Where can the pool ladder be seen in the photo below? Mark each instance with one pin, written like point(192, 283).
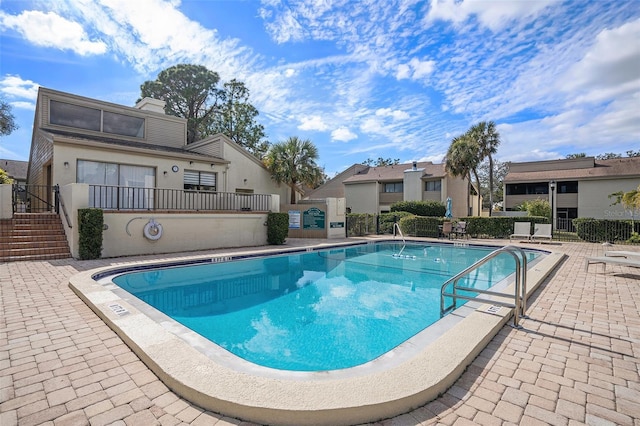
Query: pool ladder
point(396, 227)
point(519, 304)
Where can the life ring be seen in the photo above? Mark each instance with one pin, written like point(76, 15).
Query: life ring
point(152, 230)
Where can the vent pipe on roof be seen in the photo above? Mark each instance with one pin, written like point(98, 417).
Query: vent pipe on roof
point(415, 165)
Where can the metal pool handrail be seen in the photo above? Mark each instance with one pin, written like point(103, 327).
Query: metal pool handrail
point(519, 305)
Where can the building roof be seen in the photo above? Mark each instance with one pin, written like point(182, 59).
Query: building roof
point(589, 168)
point(132, 144)
point(15, 169)
point(396, 172)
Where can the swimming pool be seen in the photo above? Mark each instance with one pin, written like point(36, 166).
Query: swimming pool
point(406, 377)
point(315, 311)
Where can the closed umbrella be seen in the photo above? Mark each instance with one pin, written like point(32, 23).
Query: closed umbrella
point(448, 212)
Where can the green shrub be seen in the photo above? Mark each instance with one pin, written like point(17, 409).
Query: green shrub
point(420, 208)
point(90, 226)
point(386, 221)
point(277, 228)
point(498, 226)
point(601, 230)
point(421, 226)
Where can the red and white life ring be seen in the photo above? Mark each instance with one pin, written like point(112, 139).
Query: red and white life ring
point(152, 230)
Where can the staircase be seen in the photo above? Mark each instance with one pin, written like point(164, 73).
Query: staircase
point(33, 236)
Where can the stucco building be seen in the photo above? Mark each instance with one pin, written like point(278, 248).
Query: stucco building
point(582, 186)
point(374, 189)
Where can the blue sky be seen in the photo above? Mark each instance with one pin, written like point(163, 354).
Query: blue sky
point(360, 79)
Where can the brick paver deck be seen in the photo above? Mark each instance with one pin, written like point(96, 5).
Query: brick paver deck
point(575, 361)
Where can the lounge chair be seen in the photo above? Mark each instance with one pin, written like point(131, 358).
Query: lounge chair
point(521, 230)
point(628, 254)
point(608, 260)
point(541, 231)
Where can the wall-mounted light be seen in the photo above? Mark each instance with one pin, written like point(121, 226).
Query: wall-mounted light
point(165, 172)
point(66, 164)
point(245, 181)
point(191, 163)
point(212, 165)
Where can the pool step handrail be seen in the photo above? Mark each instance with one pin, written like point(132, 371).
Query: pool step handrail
point(396, 227)
point(519, 304)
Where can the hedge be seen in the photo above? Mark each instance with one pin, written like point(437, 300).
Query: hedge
point(420, 208)
point(277, 228)
point(604, 230)
point(90, 226)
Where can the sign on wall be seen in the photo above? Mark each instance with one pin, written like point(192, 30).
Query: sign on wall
point(313, 218)
point(294, 219)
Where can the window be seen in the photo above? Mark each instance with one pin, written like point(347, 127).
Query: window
point(568, 187)
point(121, 186)
point(97, 120)
point(64, 114)
point(393, 187)
point(125, 125)
point(203, 181)
point(433, 185)
point(536, 188)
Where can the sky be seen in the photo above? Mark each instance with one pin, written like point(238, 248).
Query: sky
point(363, 79)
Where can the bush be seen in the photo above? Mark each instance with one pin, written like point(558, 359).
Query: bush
point(90, 226)
point(277, 228)
point(386, 221)
point(601, 230)
point(420, 208)
point(421, 226)
point(498, 226)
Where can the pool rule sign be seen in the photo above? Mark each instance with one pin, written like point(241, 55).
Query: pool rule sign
point(313, 219)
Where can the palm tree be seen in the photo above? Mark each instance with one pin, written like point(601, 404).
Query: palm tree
point(488, 139)
point(463, 160)
point(294, 162)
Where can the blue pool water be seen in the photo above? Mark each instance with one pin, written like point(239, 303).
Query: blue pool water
point(315, 311)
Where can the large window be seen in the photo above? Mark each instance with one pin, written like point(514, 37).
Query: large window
point(125, 125)
point(64, 114)
point(433, 185)
point(203, 181)
point(97, 120)
point(570, 187)
point(393, 187)
point(117, 186)
point(528, 188)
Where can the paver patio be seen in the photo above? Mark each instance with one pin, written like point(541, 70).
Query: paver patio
point(575, 361)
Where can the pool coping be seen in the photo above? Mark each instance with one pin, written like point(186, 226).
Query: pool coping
point(319, 397)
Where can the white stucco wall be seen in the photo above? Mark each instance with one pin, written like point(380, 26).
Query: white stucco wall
point(181, 232)
point(594, 201)
point(6, 206)
point(412, 185)
point(362, 198)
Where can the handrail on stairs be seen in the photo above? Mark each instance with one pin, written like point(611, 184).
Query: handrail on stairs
point(519, 304)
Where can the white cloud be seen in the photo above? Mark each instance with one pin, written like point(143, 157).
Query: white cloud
point(289, 72)
point(313, 122)
point(492, 14)
point(51, 30)
point(14, 87)
point(343, 134)
point(415, 69)
point(395, 114)
point(610, 68)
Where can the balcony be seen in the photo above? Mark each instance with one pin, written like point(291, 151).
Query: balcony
point(121, 198)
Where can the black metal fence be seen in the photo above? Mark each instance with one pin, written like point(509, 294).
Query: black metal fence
point(582, 230)
point(34, 198)
point(153, 199)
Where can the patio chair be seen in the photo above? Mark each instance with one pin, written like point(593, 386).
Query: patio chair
point(459, 230)
point(542, 231)
point(521, 230)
